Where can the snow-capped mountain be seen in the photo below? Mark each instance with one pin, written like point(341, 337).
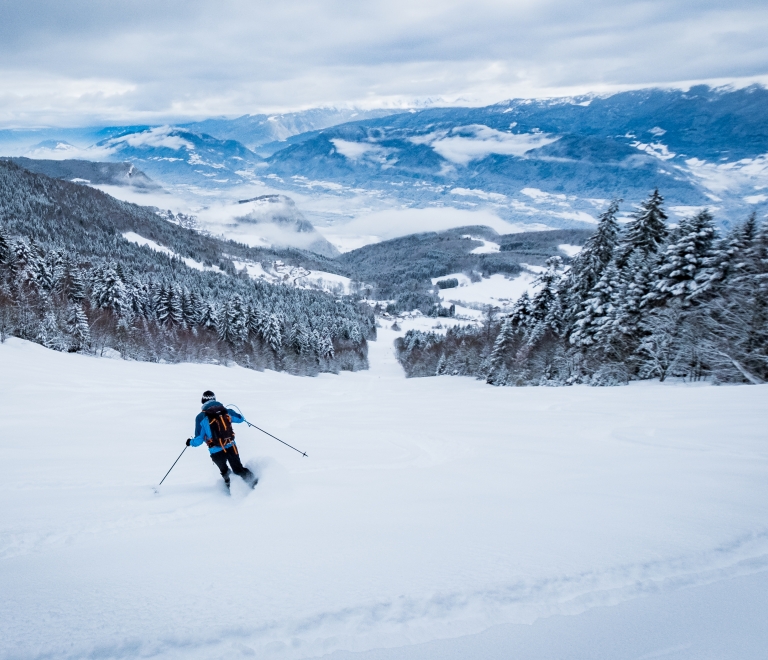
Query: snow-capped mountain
point(555, 160)
point(167, 154)
point(176, 155)
point(270, 131)
point(552, 162)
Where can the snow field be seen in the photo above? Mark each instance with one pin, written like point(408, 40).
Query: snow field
point(279, 273)
point(496, 290)
point(133, 237)
point(427, 508)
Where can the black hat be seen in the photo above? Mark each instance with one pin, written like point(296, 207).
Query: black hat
point(208, 396)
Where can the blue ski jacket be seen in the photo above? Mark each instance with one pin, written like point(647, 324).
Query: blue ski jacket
point(203, 428)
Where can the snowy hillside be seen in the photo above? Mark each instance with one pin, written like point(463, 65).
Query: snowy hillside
point(629, 520)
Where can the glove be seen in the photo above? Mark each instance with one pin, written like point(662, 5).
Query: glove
point(188, 441)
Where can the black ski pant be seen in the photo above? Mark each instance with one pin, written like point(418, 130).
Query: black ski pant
point(230, 454)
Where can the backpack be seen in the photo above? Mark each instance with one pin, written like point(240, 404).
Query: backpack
point(221, 426)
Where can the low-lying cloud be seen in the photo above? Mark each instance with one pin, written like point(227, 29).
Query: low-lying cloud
point(468, 143)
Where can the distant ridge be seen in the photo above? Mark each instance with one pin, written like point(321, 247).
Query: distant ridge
point(86, 171)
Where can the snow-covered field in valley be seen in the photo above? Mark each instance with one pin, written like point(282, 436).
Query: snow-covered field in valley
point(433, 518)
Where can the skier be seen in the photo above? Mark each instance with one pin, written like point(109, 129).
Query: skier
point(214, 427)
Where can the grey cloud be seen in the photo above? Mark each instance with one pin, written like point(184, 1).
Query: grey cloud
point(152, 61)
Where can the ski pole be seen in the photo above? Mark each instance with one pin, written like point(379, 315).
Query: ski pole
point(172, 466)
point(303, 453)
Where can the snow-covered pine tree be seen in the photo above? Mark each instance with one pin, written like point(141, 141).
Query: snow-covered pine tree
point(161, 300)
point(75, 283)
point(440, 369)
point(233, 322)
point(521, 312)
point(501, 347)
point(272, 333)
point(645, 232)
point(659, 348)
point(50, 334)
point(176, 304)
point(727, 257)
point(302, 340)
point(680, 269)
point(327, 350)
point(108, 290)
point(622, 328)
point(77, 328)
point(23, 261)
point(588, 265)
point(257, 320)
point(191, 304)
point(5, 247)
point(50, 271)
point(738, 319)
point(545, 308)
point(600, 305)
point(209, 315)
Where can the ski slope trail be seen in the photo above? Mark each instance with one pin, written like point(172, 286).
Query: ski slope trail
point(427, 509)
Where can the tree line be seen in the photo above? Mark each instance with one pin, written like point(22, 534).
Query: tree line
point(639, 301)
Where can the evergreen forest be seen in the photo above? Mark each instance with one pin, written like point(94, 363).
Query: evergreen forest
point(71, 282)
point(639, 301)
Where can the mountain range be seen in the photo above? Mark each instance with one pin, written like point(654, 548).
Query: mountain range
point(266, 134)
point(552, 162)
point(556, 158)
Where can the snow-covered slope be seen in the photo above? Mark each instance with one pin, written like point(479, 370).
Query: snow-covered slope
point(427, 509)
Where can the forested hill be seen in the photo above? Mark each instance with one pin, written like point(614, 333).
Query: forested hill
point(402, 269)
point(641, 300)
point(71, 281)
point(86, 171)
point(93, 222)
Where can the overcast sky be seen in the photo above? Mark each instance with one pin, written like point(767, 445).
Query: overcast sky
point(80, 62)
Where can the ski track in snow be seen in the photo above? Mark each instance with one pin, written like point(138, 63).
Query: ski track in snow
point(427, 508)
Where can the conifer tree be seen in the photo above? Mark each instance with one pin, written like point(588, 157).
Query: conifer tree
point(681, 267)
point(622, 328)
point(77, 327)
point(76, 290)
point(233, 323)
point(521, 312)
point(721, 263)
point(50, 334)
point(501, 347)
point(588, 265)
point(162, 303)
point(108, 290)
point(5, 247)
point(176, 305)
point(271, 332)
point(546, 309)
point(601, 305)
point(646, 231)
